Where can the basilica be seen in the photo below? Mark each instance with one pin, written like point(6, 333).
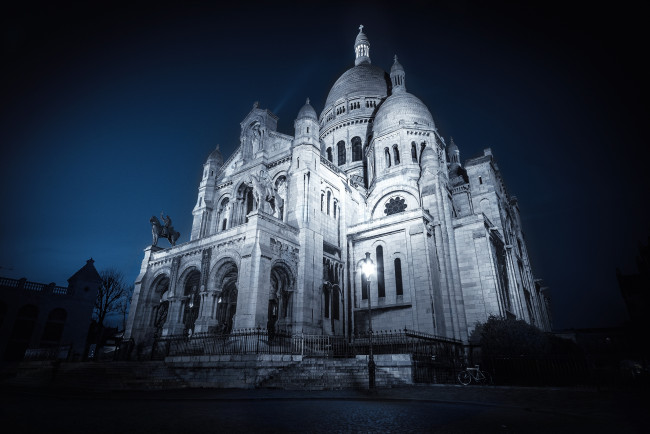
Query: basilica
point(282, 229)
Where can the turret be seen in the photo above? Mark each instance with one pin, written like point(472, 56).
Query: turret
point(306, 126)
point(453, 154)
point(202, 211)
point(397, 76)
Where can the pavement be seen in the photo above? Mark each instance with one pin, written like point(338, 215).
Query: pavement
point(420, 408)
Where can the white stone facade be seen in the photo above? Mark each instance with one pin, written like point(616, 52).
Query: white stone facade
point(281, 228)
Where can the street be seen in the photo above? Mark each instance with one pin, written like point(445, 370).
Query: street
point(411, 410)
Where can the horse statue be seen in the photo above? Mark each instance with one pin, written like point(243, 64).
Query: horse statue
point(158, 230)
point(263, 192)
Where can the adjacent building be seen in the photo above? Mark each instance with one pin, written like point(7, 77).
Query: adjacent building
point(45, 319)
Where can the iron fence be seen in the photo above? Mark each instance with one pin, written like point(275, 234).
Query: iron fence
point(259, 341)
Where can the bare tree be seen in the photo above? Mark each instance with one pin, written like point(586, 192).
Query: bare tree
point(113, 295)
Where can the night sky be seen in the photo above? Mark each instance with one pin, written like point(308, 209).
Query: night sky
point(109, 109)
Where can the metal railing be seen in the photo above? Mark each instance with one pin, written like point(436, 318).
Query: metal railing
point(259, 341)
point(55, 353)
point(6, 282)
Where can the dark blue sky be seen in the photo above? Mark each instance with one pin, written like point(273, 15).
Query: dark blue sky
point(110, 109)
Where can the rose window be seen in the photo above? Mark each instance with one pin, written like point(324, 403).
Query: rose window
point(395, 205)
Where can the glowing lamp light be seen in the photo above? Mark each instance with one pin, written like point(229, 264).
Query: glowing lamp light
point(368, 269)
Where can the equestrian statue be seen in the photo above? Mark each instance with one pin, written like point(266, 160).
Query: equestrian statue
point(166, 231)
point(264, 192)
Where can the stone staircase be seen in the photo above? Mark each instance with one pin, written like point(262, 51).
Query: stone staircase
point(350, 373)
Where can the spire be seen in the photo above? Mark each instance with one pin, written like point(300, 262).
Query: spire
point(361, 48)
point(397, 75)
point(453, 152)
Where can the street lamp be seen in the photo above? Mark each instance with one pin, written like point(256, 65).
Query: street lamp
point(367, 269)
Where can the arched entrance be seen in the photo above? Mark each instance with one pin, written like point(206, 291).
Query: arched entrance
point(192, 301)
point(21, 334)
point(280, 298)
point(160, 305)
point(226, 279)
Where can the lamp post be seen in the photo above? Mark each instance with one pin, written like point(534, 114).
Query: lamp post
point(367, 269)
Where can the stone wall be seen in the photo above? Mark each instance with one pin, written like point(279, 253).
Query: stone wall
point(239, 372)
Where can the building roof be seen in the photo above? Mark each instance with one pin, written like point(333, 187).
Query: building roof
point(307, 111)
point(361, 80)
point(402, 106)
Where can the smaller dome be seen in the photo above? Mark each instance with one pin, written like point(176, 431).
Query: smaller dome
point(402, 106)
point(215, 157)
point(307, 111)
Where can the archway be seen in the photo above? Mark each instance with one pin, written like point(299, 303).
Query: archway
point(226, 279)
point(21, 334)
point(280, 306)
point(159, 304)
point(192, 301)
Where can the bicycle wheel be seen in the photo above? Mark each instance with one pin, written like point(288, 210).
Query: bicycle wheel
point(487, 377)
point(464, 378)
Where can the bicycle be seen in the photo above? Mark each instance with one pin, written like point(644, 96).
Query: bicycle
point(468, 375)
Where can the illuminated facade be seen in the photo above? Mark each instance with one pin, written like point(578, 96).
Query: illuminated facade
point(281, 227)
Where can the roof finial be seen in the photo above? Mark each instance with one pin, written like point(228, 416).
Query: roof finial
point(361, 28)
point(307, 100)
point(395, 58)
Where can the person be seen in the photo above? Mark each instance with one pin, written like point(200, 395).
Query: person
point(167, 224)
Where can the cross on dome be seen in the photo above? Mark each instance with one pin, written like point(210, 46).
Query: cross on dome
point(361, 28)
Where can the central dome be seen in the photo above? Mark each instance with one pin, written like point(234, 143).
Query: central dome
point(402, 106)
point(362, 80)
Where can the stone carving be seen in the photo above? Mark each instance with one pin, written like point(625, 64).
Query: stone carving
point(166, 231)
point(256, 137)
point(285, 251)
point(265, 195)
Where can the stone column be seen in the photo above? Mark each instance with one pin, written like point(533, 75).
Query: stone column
point(174, 324)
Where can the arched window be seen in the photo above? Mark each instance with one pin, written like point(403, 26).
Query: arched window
point(396, 154)
point(329, 154)
point(21, 333)
point(223, 213)
point(381, 287)
point(341, 151)
point(329, 198)
point(53, 330)
point(356, 148)
point(387, 155)
point(322, 202)
point(335, 304)
point(364, 288)
point(414, 152)
point(399, 288)
point(327, 303)
point(335, 209)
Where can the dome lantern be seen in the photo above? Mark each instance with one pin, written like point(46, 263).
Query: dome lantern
point(361, 48)
point(397, 75)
